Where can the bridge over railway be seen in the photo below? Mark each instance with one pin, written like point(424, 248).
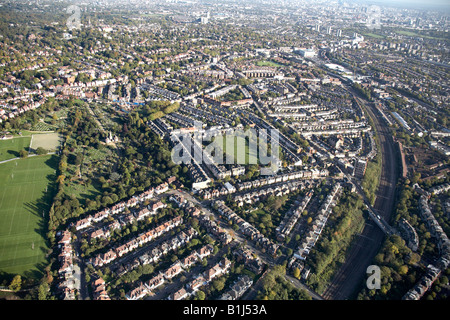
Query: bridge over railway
point(374, 214)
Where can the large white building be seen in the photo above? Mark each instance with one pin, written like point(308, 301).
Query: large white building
point(307, 53)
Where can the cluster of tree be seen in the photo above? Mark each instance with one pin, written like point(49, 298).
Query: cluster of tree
point(439, 212)
point(329, 253)
point(266, 215)
point(412, 141)
point(399, 265)
point(408, 209)
point(276, 287)
point(30, 118)
point(269, 95)
point(232, 95)
point(365, 92)
point(41, 151)
point(157, 109)
point(399, 271)
point(144, 161)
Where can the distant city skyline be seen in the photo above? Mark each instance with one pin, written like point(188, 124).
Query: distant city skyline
point(408, 3)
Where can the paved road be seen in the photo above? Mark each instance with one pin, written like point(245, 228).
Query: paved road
point(353, 272)
point(80, 276)
point(295, 282)
point(265, 258)
point(252, 292)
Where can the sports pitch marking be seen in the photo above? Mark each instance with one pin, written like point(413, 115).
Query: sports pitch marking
point(23, 199)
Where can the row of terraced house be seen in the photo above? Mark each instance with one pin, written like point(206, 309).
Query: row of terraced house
point(146, 288)
point(121, 206)
point(66, 286)
point(194, 285)
point(278, 191)
point(114, 253)
point(304, 174)
point(433, 270)
point(318, 225)
point(287, 224)
point(153, 255)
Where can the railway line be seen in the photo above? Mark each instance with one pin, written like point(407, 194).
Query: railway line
point(351, 274)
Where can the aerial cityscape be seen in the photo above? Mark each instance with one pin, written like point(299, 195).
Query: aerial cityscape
point(224, 150)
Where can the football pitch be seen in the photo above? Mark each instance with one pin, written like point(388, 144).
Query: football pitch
point(26, 191)
point(48, 141)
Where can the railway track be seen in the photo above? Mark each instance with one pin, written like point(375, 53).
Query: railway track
point(351, 274)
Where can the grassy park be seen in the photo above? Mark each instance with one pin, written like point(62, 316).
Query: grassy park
point(266, 63)
point(48, 141)
point(10, 148)
point(25, 194)
point(411, 33)
point(29, 141)
point(243, 154)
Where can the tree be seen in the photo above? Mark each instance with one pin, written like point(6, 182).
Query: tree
point(296, 273)
point(200, 295)
point(41, 151)
point(270, 280)
point(43, 291)
point(16, 283)
point(23, 153)
point(402, 270)
point(218, 284)
point(413, 258)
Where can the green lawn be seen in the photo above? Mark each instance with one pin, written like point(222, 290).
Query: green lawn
point(82, 191)
point(78, 187)
point(25, 194)
point(9, 149)
point(243, 154)
point(416, 34)
point(268, 64)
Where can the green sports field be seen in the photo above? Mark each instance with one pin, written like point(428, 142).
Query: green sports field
point(25, 193)
point(10, 148)
point(268, 64)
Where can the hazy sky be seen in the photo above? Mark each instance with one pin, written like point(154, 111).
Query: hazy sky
point(423, 3)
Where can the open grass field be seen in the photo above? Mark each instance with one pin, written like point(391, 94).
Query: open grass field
point(416, 34)
point(76, 186)
point(48, 141)
point(10, 148)
point(26, 191)
point(242, 153)
point(268, 64)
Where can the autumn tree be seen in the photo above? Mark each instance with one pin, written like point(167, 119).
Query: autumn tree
point(16, 283)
